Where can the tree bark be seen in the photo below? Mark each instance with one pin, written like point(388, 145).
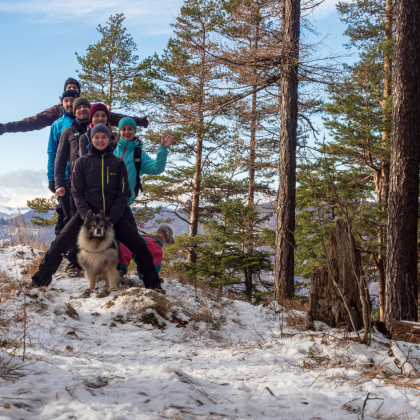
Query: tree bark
point(284, 263)
point(338, 301)
point(192, 256)
point(401, 270)
point(386, 135)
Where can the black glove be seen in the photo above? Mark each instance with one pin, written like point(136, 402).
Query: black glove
point(51, 186)
point(2, 129)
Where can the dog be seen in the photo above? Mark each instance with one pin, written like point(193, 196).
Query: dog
point(165, 232)
point(98, 250)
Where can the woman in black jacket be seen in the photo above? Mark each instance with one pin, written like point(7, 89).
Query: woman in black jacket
point(99, 182)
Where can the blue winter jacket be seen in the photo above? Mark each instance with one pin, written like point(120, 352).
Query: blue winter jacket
point(149, 166)
point(56, 128)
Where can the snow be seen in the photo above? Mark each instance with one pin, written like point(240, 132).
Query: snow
point(232, 360)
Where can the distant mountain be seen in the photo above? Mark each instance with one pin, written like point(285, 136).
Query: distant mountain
point(7, 212)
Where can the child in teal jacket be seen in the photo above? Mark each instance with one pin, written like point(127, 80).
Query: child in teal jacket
point(125, 150)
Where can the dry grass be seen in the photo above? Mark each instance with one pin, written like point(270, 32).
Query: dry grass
point(206, 314)
point(23, 232)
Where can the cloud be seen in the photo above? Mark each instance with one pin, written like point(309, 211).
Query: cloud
point(325, 9)
point(147, 13)
point(19, 186)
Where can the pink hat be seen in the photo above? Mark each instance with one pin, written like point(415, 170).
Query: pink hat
point(97, 107)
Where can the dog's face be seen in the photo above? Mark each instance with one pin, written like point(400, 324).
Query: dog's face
point(167, 232)
point(96, 225)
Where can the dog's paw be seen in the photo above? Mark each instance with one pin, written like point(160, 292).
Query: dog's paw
point(86, 294)
point(103, 293)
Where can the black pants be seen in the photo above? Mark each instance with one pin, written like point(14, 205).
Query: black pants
point(65, 210)
point(74, 250)
point(128, 215)
point(124, 232)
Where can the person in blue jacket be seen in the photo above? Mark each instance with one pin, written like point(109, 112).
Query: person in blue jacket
point(127, 144)
point(66, 120)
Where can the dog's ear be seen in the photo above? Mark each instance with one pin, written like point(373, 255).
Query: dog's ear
point(101, 213)
point(89, 215)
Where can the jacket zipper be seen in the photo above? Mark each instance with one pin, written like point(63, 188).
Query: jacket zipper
point(125, 148)
point(103, 187)
point(107, 174)
point(123, 182)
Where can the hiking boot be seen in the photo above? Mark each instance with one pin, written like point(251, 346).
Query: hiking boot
point(74, 272)
point(40, 279)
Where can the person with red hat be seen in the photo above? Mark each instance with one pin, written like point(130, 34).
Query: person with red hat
point(99, 113)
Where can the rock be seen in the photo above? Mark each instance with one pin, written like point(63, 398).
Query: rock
point(98, 382)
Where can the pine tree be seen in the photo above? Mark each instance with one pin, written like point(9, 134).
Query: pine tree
point(43, 206)
point(178, 86)
point(370, 28)
point(109, 65)
point(286, 202)
point(401, 274)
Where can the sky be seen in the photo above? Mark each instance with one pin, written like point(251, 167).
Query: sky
point(38, 42)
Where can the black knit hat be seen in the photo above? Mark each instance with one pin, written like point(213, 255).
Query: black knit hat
point(71, 81)
point(80, 101)
point(70, 94)
point(100, 128)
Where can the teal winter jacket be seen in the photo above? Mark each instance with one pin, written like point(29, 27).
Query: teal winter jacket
point(149, 166)
point(56, 128)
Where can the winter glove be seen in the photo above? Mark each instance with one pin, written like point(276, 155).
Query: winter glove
point(51, 186)
point(3, 129)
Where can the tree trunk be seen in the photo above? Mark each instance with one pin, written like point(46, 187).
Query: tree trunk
point(401, 271)
point(284, 262)
point(386, 135)
point(248, 283)
point(332, 304)
point(192, 256)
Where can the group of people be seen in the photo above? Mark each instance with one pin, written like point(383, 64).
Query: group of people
point(91, 168)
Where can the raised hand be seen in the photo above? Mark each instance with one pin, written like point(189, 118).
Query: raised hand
point(168, 140)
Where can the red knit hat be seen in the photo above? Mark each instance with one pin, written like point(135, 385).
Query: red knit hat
point(97, 107)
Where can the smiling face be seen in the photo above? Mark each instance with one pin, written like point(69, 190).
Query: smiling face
point(99, 117)
point(127, 133)
point(82, 112)
point(68, 104)
point(100, 141)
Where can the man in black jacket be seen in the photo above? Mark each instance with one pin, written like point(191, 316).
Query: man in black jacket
point(68, 151)
point(99, 182)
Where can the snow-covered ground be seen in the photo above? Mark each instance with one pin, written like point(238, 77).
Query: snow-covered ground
point(209, 359)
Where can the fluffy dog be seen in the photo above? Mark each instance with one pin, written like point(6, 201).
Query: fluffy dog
point(98, 250)
point(165, 232)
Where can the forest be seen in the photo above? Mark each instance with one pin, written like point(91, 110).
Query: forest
point(291, 289)
point(259, 184)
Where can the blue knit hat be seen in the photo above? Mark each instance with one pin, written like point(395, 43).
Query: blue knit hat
point(100, 128)
point(127, 121)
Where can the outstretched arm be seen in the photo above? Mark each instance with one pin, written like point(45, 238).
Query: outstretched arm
point(156, 166)
point(37, 122)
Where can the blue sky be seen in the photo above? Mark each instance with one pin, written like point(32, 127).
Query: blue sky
point(38, 41)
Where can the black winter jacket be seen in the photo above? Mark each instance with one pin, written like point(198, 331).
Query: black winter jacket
point(99, 182)
point(68, 151)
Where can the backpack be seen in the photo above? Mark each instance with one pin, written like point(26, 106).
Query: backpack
point(137, 164)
